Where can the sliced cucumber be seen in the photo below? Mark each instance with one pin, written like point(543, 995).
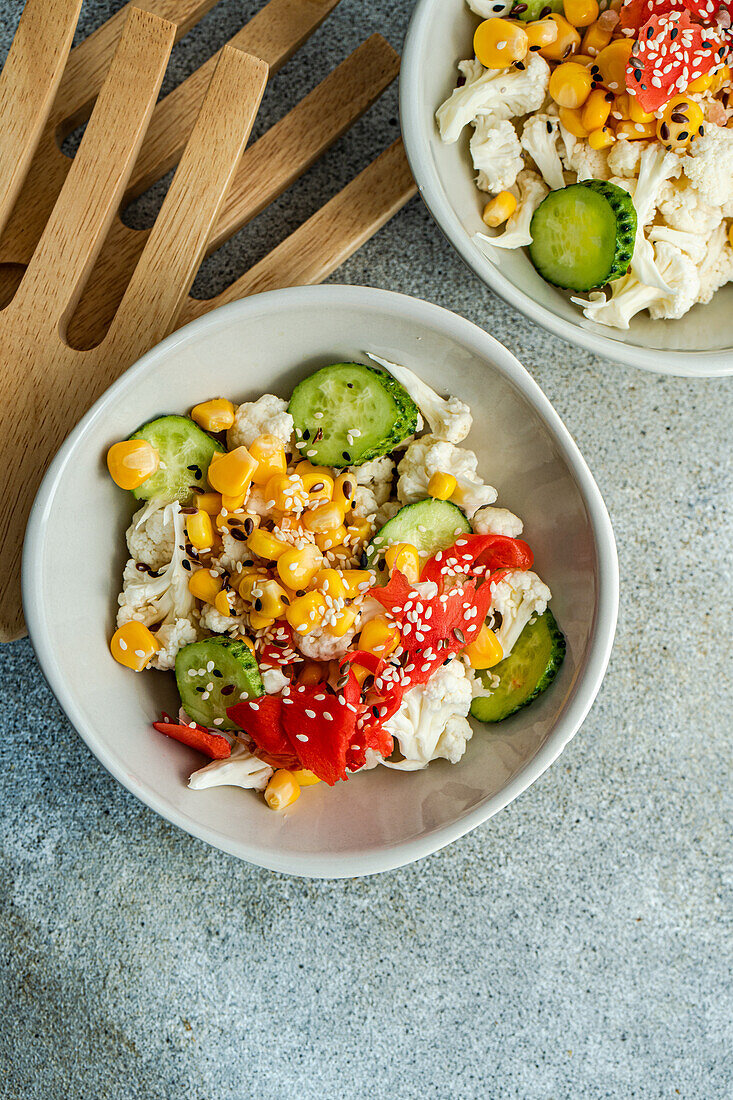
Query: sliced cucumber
point(529, 670)
point(185, 455)
point(349, 413)
point(213, 675)
point(583, 235)
point(429, 525)
point(535, 9)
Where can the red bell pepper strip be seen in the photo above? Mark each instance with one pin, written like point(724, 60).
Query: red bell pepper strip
point(196, 737)
point(261, 720)
point(487, 552)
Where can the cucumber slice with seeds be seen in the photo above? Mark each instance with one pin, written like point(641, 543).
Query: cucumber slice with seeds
point(583, 235)
point(429, 525)
point(185, 455)
point(215, 674)
point(348, 414)
point(529, 670)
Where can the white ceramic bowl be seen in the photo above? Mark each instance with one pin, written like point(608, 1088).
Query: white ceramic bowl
point(75, 551)
point(440, 35)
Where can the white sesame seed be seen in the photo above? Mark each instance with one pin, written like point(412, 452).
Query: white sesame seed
point(301, 736)
point(122, 644)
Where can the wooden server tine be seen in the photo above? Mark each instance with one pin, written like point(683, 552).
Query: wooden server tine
point(49, 384)
point(267, 169)
point(28, 84)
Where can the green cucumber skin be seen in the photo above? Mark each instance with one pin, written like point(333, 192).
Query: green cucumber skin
point(243, 671)
point(404, 425)
point(403, 526)
point(481, 706)
point(534, 7)
point(151, 486)
point(621, 214)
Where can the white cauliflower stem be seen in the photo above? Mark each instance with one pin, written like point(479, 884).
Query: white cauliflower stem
point(516, 233)
point(431, 722)
point(268, 415)
point(448, 418)
point(518, 597)
point(428, 456)
point(495, 93)
point(539, 139)
point(241, 769)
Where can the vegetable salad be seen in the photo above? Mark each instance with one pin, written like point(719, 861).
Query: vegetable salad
point(604, 133)
point(329, 580)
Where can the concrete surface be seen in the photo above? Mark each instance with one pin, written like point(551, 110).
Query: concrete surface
point(578, 945)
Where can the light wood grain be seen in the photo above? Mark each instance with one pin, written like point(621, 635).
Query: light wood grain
point(267, 168)
point(28, 83)
point(46, 385)
point(328, 237)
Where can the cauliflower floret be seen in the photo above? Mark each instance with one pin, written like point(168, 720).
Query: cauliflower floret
point(532, 191)
point(241, 769)
point(656, 166)
point(709, 165)
point(274, 680)
point(268, 415)
point(216, 623)
point(489, 9)
point(428, 456)
point(150, 535)
point(233, 553)
point(373, 484)
point(431, 721)
point(164, 600)
point(539, 139)
point(680, 273)
point(447, 417)
point(716, 268)
point(493, 93)
point(386, 512)
point(624, 156)
point(694, 246)
point(321, 645)
point(682, 207)
point(628, 298)
point(497, 521)
point(518, 596)
point(496, 154)
point(579, 157)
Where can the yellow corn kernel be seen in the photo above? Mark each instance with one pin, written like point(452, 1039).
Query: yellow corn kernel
point(330, 582)
point(570, 84)
point(701, 83)
point(318, 486)
point(596, 110)
point(216, 415)
point(282, 790)
point(540, 32)
point(329, 540)
point(259, 622)
point(580, 13)
point(233, 504)
point(306, 612)
point(269, 453)
point(345, 619)
point(250, 582)
point(681, 121)
point(305, 467)
point(324, 517)
point(304, 778)
point(360, 673)
point(356, 581)
point(572, 121)
point(231, 473)
point(221, 603)
point(584, 59)
point(612, 61)
point(566, 43)
point(286, 493)
point(204, 586)
point(344, 490)
point(208, 502)
point(358, 528)
point(265, 545)
point(636, 131)
point(404, 556)
point(442, 486)
point(498, 43)
point(499, 209)
point(133, 645)
point(596, 38)
point(131, 462)
point(380, 637)
point(485, 650)
point(634, 110)
point(200, 530)
point(600, 139)
point(721, 77)
point(273, 600)
point(298, 567)
point(311, 673)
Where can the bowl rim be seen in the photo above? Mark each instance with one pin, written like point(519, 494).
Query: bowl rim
point(686, 364)
point(462, 331)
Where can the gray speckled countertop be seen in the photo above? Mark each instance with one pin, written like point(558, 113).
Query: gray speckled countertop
point(577, 945)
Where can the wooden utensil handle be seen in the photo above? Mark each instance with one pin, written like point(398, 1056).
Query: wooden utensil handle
point(28, 83)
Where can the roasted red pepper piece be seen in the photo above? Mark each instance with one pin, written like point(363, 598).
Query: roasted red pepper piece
point(320, 725)
point(261, 720)
point(670, 48)
point(487, 552)
point(196, 737)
